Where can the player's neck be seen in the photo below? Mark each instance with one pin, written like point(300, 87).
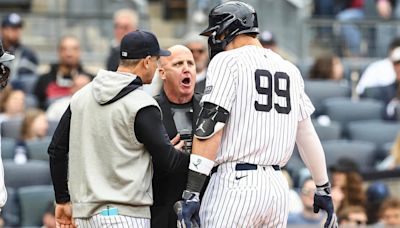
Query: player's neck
point(243, 40)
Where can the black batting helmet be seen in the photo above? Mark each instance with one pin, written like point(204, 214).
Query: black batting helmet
point(229, 19)
point(4, 57)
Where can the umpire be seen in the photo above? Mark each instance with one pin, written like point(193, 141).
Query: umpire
point(102, 152)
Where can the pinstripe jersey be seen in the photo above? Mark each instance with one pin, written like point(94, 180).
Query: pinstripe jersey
point(265, 97)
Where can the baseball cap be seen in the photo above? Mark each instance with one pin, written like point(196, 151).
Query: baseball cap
point(266, 37)
point(395, 55)
point(139, 44)
point(377, 192)
point(4, 57)
point(12, 20)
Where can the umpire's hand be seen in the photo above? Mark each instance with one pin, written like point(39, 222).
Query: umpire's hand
point(187, 210)
point(323, 200)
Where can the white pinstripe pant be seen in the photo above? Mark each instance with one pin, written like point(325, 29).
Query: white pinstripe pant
point(251, 198)
point(114, 221)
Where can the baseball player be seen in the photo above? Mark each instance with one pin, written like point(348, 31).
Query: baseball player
point(254, 109)
point(4, 74)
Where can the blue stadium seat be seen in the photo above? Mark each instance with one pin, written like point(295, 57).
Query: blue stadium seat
point(11, 128)
point(38, 148)
point(11, 211)
point(7, 148)
point(361, 152)
point(34, 201)
point(28, 174)
point(320, 90)
point(378, 132)
point(328, 132)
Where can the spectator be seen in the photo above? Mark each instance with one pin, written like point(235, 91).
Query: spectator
point(391, 93)
point(125, 20)
point(390, 212)
point(346, 176)
point(58, 81)
point(198, 47)
point(349, 11)
point(12, 104)
point(393, 160)
point(328, 67)
point(387, 10)
point(25, 61)
point(377, 192)
point(34, 126)
point(307, 216)
point(352, 216)
point(379, 73)
point(49, 219)
point(58, 107)
point(180, 108)
point(295, 204)
point(268, 40)
point(337, 197)
point(344, 11)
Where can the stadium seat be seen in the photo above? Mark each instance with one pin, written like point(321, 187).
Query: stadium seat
point(378, 132)
point(33, 201)
point(11, 211)
point(31, 173)
point(7, 148)
point(319, 90)
point(328, 132)
point(361, 152)
point(345, 110)
point(11, 128)
point(38, 149)
point(387, 148)
point(30, 101)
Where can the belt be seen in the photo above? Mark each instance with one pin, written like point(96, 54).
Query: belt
point(246, 166)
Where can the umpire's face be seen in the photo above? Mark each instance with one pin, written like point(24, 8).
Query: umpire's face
point(178, 71)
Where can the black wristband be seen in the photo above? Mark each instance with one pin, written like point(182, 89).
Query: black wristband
point(195, 181)
point(324, 185)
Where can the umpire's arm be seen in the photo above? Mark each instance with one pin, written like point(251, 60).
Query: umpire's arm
point(58, 153)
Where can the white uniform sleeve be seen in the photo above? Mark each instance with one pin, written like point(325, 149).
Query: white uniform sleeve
point(221, 81)
point(3, 191)
point(311, 151)
point(306, 106)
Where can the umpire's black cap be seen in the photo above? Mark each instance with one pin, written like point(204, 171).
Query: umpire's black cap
point(4, 57)
point(139, 44)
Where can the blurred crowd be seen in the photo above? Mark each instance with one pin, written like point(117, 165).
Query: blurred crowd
point(33, 103)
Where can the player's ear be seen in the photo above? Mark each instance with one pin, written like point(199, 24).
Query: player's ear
point(146, 62)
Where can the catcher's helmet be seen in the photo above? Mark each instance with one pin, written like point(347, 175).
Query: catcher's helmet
point(4, 57)
point(229, 19)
